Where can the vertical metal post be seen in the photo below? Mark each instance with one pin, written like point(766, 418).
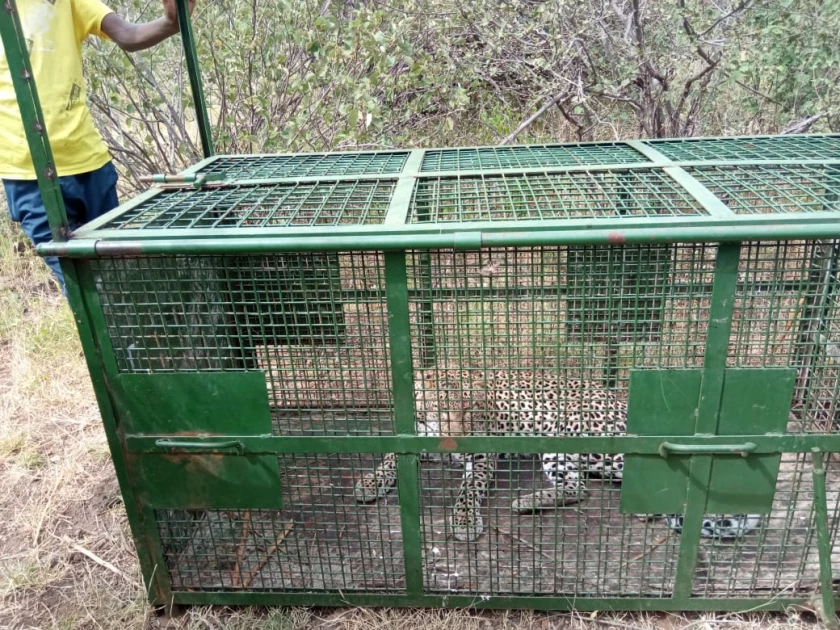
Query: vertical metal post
point(20, 67)
point(823, 539)
point(402, 375)
point(200, 103)
point(711, 390)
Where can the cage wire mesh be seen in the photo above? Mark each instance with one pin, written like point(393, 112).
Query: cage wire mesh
point(529, 157)
point(323, 541)
point(569, 195)
point(505, 342)
point(813, 147)
point(504, 317)
point(315, 165)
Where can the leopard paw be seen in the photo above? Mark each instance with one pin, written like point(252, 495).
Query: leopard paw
point(720, 527)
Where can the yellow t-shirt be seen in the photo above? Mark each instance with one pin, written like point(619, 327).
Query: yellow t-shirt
point(54, 30)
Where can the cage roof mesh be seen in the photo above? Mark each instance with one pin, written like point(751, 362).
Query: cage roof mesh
point(595, 181)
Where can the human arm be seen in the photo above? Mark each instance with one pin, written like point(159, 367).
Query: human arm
point(133, 37)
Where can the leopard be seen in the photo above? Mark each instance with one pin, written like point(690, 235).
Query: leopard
point(450, 402)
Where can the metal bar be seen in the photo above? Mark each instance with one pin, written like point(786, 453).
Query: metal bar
point(802, 443)
point(649, 152)
point(714, 366)
point(20, 67)
point(409, 496)
point(500, 227)
point(401, 200)
point(98, 228)
point(650, 142)
point(702, 195)
point(281, 154)
point(399, 335)
point(509, 171)
point(201, 165)
point(200, 103)
point(105, 249)
point(458, 240)
point(823, 539)
point(690, 184)
point(572, 602)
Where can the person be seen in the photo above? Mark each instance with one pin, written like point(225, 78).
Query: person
point(55, 30)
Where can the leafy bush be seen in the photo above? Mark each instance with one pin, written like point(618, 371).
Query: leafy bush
point(307, 75)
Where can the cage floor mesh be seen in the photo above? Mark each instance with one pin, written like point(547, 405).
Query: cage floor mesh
point(326, 541)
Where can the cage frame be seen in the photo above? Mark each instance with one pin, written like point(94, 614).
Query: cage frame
point(394, 237)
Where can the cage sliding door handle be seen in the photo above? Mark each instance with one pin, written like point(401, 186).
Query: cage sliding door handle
point(666, 449)
point(202, 446)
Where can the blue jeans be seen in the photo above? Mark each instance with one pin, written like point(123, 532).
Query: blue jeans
point(86, 197)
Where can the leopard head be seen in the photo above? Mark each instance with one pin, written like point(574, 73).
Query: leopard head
point(438, 404)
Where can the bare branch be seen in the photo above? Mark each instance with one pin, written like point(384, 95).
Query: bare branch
point(742, 6)
point(803, 125)
point(533, 117)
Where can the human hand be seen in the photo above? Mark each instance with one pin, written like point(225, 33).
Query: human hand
point(170, 12)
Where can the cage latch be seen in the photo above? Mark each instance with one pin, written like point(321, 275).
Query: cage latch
point(204, 447)
point(666, 449)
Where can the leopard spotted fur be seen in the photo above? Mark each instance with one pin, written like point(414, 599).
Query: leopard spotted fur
point(451, 403)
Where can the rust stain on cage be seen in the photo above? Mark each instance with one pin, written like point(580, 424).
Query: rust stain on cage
point(616, 238)
point(119, 248)
point(196, 461)
point(448, 444)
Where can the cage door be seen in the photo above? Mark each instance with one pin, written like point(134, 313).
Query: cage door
point(665, 403)
point(197, 418)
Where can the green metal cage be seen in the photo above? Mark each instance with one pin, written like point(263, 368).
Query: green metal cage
point(309, 368)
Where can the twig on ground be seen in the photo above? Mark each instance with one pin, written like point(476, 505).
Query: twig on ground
point(104, 563)
point(656, 543)
point(525, 543)
point(246, 583)
point(37, 535)
point(240, 550)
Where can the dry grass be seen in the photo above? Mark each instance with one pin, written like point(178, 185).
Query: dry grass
point(66, 556)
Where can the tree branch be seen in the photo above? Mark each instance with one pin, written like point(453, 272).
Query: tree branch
point(741, 7)
point(533, 117)
point(803, 125)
